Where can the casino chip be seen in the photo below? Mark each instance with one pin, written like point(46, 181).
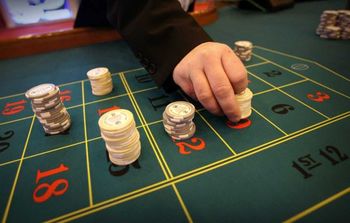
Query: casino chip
point(244, 100)
point(344, 23)
point(243, 50)
point(118, 130)
point(334, 24)
point(48, 108)
point(177, 120)
point(101, 81)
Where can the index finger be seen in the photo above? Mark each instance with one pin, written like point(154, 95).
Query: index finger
point(222, 89)
point(235, 71)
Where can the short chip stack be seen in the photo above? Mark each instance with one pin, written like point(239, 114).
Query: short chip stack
point(49, 109)
point(101, 81)
point(177, 120)
point(118, 129)
point(331, 32)
point(244, 100)
point(334, 24)
point(243, 50)
point(327, 18)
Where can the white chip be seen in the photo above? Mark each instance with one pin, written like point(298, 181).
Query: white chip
point(40, 90)
point(180, 109)
point(116, 120)
point(97, 73)
point(245, 44)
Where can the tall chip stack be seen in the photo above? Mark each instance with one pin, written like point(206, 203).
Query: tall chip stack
point(344, 23)
point(101, 81)
point(178, 120)
point(122, 139)
point(243, 50)
point(48, 108)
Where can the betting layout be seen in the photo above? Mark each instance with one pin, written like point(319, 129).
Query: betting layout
point(288, 137)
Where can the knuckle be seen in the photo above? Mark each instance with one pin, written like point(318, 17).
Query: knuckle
point(222, 91)
point(203, 96)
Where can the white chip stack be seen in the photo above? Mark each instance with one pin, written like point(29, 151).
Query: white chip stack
point(118, 130)
point(48, 108)
point(243, 50)
point(101, 81)
point(177, 120)
point(244, 100)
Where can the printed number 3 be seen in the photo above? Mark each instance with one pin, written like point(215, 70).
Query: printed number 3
point(319, 97)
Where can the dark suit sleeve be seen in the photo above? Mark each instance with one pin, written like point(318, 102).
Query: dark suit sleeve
point(159, 32)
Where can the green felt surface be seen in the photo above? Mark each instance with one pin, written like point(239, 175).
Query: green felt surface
point(284, 166)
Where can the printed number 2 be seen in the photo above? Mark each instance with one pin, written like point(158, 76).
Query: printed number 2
point(182, 146)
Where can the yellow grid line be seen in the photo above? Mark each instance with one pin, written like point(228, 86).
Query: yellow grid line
point(148, 124)
point(306, 60)
point(66, 146)
point(269, 121)
point(100, 100)
point(88, 103)
point(280, 87)
point(249, 152)
point(160, 153)
point(182, 203)
point(257, 64)
point(113, 74)
point(9, 162)
point(86, 146)
point(16, 120)
point(213, 129)
point(294, 98)
point(318, 206)
point(194, 173)
point(217, 134)
point(284, 54)
point(302, 76)
point(147, 134)
point(8, 205)
point(109, 203)
point(60, 85)
point(143, 121)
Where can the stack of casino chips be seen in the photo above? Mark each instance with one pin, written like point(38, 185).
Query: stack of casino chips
point(48, 108)
point(344, 23)
point(122, 139)
point(177, 120)
point(331, 32)
point(244, 100)
point(243, 50)
point(327, 18)
point(101, 81)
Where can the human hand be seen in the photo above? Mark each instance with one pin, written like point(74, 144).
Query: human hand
point(212, 74)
